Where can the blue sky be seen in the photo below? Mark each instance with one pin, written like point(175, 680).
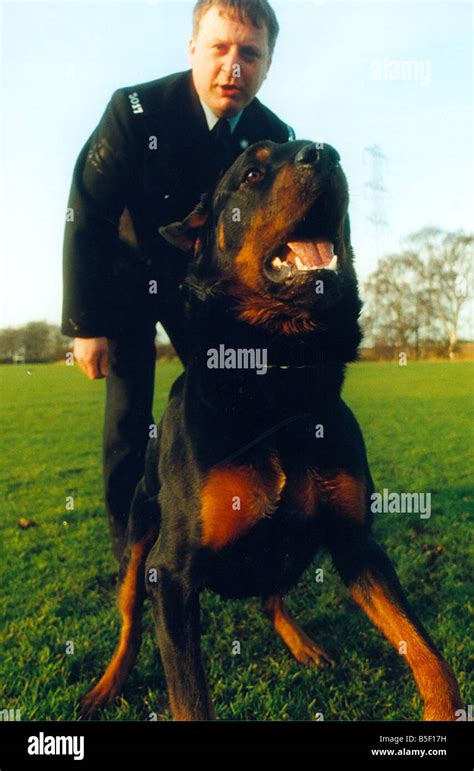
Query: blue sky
point(355, 74)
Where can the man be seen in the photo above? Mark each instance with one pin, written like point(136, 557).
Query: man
point(158, 147)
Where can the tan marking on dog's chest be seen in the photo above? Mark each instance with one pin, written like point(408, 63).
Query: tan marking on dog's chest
point(301, 492)
point(308, 490)
point(345, 493)
point(235, 498)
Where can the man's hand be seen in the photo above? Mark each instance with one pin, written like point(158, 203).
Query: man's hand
point(92, 355)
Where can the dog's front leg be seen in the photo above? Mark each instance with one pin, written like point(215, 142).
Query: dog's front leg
point(374, 585)
point(176, 611)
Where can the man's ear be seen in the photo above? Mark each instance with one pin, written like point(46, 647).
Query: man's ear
point(191, 49)
point(183, 235)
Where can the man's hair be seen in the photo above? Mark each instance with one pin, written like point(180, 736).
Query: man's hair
point(258, 12)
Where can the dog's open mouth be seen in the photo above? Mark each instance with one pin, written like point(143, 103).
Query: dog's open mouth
point(312, 243)
point(301, 257)
point(307, 255)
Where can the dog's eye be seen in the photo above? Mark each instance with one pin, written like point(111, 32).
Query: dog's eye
point(252, 176)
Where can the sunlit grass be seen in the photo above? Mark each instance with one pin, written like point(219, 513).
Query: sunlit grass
point(58, 578)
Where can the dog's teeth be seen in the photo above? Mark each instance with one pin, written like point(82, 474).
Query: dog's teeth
point(277, 263)
point(333, 264)
point(300, 265)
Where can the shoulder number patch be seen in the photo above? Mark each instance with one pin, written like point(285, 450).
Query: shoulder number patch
point(135, 102)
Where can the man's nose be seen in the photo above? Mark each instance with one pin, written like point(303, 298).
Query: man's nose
point(230, 60)
point(313, 155)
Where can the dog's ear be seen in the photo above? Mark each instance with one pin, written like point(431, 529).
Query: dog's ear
point(183, 235)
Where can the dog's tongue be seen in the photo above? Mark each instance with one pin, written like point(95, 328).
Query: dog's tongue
point(313, 253)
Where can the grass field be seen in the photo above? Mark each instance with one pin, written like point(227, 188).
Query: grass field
point(58, 579)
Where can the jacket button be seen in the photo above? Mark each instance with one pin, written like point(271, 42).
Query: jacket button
point(168, 195)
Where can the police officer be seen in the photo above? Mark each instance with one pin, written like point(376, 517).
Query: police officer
point(157, 148)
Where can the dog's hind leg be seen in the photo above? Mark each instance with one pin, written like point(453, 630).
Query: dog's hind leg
point(143, 530)
point(301, 646)
point(374, 585)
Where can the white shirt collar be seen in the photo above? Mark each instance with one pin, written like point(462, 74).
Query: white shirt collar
point(212, 118)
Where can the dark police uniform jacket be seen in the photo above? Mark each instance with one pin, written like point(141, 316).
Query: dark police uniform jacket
point(151, 154)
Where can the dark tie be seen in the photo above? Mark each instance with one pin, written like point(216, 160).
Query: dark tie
point(221, 134)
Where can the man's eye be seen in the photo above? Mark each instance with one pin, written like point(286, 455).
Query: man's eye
point(252, 176)
point(250, 55)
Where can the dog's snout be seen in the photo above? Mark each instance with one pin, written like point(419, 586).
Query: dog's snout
point(312, 155)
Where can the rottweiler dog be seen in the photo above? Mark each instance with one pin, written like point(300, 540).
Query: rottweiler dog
point(258, 463)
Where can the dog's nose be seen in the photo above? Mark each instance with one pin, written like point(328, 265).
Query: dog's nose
point(310, 154)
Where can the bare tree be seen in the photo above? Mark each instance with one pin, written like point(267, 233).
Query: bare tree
point(449, 262)
point(414, 299)
point(396, 309)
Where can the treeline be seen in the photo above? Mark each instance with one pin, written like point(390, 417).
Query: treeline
point(37, 341)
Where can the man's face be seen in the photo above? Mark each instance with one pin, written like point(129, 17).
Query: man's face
point(222, 42)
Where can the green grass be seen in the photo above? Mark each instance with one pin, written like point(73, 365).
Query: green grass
point(58, 579)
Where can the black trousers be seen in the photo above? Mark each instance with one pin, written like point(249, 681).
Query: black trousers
point(128, 415)
point(128, 411)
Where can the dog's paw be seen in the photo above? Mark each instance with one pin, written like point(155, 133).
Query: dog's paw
point(309, 654)
point(95, 700)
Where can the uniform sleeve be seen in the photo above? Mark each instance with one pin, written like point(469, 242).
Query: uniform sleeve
point(102, 175)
